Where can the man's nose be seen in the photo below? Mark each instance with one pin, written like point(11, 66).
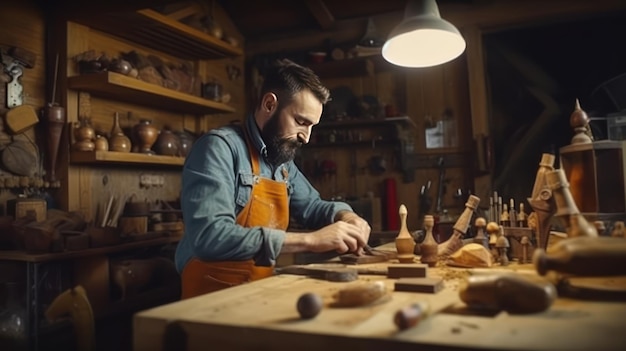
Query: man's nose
point(305, 135)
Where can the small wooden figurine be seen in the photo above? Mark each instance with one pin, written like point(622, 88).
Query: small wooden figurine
point(428, 247)
point(405, 244)
point(480, 223)
point(525, 241)
point(502, 244)
point(492, 230)
point(504, 216)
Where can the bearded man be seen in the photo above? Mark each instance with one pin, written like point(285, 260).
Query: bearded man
point(240, 187)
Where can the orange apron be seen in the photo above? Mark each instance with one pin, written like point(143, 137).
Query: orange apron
point(268, 207)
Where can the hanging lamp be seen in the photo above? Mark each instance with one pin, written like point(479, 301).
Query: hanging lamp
point(423, 38)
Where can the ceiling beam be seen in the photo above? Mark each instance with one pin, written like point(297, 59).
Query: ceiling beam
point(322, 15)
point(487, 16)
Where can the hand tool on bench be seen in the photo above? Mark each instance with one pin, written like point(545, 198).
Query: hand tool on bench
point(371, 256)
point(514, 293)
point(331, 273)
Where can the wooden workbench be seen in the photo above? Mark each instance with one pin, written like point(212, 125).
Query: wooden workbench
point(262, 316)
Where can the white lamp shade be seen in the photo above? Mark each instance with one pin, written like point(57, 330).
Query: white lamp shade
point(423, 40)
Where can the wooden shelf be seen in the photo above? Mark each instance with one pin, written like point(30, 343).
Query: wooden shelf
point(56, 256)
point(159, 32)
point(362, 143)
point(120, 87)
point(364, 123)
point(112, 157)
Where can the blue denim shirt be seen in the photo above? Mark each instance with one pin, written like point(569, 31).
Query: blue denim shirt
point(216, 185)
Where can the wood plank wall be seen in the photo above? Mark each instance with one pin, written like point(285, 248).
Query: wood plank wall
point(22, 25)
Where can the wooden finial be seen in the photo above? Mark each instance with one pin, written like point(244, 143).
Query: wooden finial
point(405, 244)
point(579, 121)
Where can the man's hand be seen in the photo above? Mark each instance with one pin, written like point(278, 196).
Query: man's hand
point(349, 233)
point(340, 236)
point(364, 227)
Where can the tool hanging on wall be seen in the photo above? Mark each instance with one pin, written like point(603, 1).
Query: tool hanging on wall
point(19, 117)
point(55, 117)
point(15, 60)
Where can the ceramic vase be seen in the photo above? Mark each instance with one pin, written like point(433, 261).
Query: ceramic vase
point(167, 143)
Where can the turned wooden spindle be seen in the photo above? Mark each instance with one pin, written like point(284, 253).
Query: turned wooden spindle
point(539, 188)
point(405, 244)
point(460, 227)
point(540, 200)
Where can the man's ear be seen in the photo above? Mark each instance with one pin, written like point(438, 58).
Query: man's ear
point(269, 103)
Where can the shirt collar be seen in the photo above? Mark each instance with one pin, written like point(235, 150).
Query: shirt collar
point(255, 136)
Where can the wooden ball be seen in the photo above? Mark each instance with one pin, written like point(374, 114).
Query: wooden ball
point(309, 305)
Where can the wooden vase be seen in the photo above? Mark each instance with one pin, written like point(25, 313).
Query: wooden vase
point(118, 141)
point(84, 136)
point(145, 135)
point(405, 244)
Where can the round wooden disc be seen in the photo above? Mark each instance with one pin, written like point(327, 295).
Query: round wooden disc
point(20, 157)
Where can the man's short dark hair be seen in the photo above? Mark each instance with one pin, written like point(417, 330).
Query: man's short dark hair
point(286, 78)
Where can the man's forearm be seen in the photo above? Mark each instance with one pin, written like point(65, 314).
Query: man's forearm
point(296, 242)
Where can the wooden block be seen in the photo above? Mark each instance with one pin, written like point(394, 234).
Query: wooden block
point(421, 285)
point(21, 118)
point(133, 225)
point(412, 270)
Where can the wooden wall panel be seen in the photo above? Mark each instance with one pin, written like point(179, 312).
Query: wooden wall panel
point(22, 25)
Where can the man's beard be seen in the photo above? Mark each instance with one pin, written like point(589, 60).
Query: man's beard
point(279, 150)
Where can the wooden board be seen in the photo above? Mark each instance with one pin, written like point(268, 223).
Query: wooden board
point(422, 285)
point(402, 270)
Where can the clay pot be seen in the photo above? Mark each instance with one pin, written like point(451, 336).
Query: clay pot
point(120, 66)
point(167, 143)
point(118, 141)
point(186, 140)
point(145, 135)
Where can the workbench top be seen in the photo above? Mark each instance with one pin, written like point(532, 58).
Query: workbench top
point(262, 315)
